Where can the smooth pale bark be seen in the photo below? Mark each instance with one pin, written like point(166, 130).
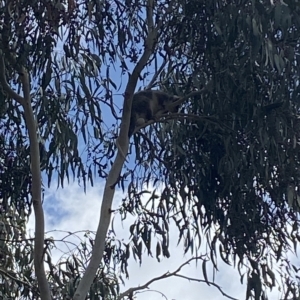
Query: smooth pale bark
point(36, 188)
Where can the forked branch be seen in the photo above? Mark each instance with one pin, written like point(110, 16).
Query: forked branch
point(131, 291)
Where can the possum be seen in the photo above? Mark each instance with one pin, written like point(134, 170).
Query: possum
point(149, 105)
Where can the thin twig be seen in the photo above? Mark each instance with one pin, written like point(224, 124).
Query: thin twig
point(162, 294)
point(208, 282)
point(170, 274)
point(151, 84)
point(165, 275)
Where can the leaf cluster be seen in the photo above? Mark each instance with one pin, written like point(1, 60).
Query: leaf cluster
point(232, 152)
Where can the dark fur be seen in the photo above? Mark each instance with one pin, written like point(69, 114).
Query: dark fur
point(150, 104)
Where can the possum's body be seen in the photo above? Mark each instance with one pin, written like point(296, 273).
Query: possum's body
point(149, 104)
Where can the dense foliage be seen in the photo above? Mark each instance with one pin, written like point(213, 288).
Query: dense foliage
point(234, 156)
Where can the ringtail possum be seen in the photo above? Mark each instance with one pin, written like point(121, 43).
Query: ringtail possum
point(148, 105)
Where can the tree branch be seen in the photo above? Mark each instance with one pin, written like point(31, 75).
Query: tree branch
point(151, 84)
point(167, 275)
point(36, 189)
point(113, 176)
point(162, 294)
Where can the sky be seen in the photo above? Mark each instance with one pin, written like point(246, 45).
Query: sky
point(70, 209)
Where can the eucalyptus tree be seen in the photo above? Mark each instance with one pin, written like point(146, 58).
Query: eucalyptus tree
point(229, 158)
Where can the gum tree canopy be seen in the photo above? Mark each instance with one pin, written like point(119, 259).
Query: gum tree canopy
point(227, 162)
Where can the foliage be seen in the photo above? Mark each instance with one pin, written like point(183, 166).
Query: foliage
point(228, 158)
point(234, 150)
point(16, 253)
point(15, 168)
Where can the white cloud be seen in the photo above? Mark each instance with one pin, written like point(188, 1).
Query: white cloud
point(69, 209)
